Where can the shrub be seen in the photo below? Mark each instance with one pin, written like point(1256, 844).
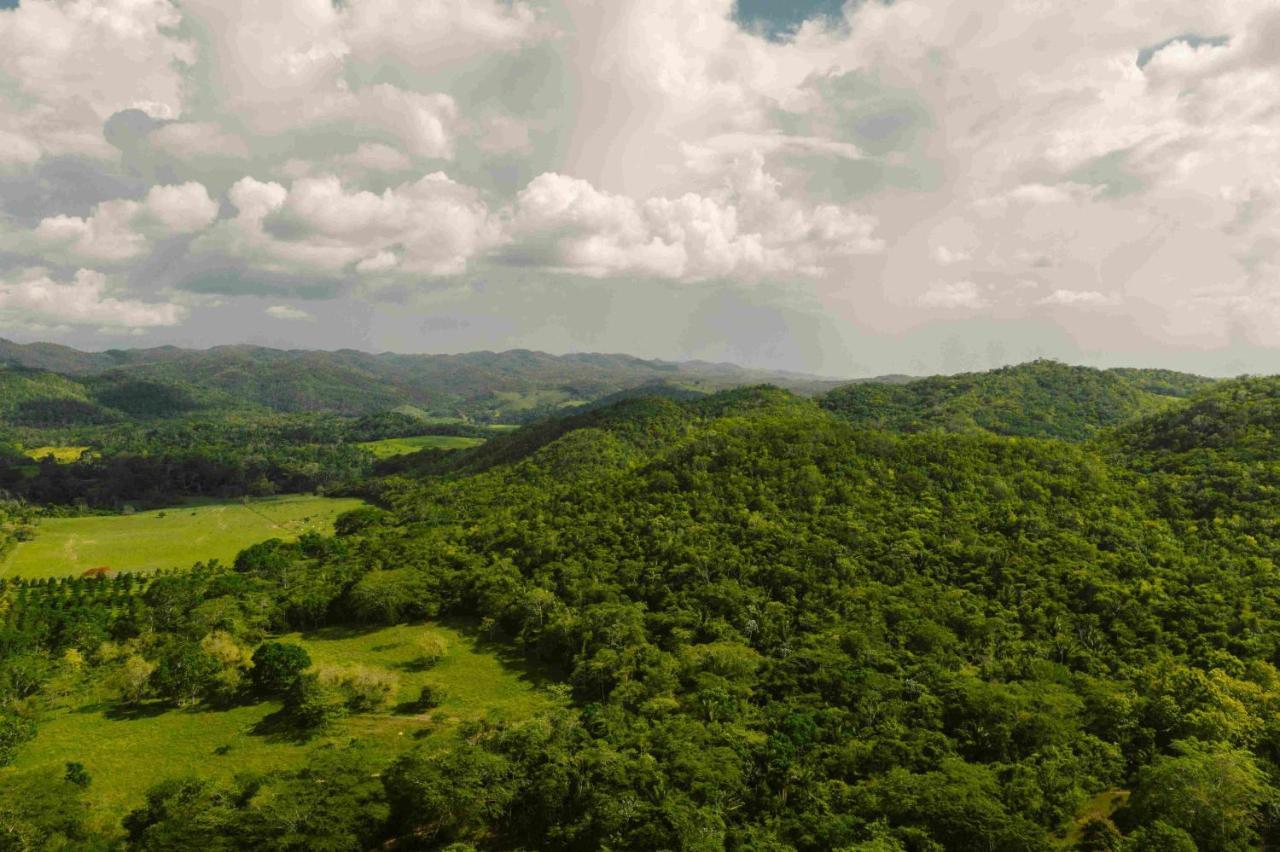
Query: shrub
point(311, 704)
point(363, 689)
point(432, 696)
point(77, 774)
point(430, 649)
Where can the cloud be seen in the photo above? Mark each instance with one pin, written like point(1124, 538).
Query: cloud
point(1081, 299)
point(953, 295)
point(375, 157)
point(749, 229)
point(427, 35)
point(276, 79)
point(284, 312)
point(122, 230)
point(188, 140)
point(34, 298)
point(872, 164)
point(72, 64)
point(432, 226)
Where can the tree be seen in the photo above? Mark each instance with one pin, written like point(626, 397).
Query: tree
point(1213, 793)
point(1159, 837)
point(132, 678)
point(181, 813)
point(14, 731)
point(185, 672)
point(312, 705)
point(232, 660)
point(1099, 834)
point(451, 796)
point(277, 667)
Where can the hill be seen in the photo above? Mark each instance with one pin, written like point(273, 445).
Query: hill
point(1038, 399)
point(483, 386)
point(770, 628)
point(805, 635)
point(1240, 417)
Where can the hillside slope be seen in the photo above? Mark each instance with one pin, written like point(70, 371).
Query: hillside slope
point(770, 630)
point(1037, 399)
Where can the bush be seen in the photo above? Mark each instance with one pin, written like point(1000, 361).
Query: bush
point(430, 649)
point(312, 705)
point(363, 689)
point(432, 696)
point(77, 774)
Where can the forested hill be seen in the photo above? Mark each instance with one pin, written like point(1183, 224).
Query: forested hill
point(785, 632)
point(519, 384)
point(1038, 399)
point(772, 629)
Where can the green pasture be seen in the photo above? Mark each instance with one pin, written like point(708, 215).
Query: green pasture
point(388, 447)
point(126, 751)
point(176, 537)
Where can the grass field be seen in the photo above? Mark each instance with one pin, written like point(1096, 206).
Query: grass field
point(167, 538)
point(128, 753)
point(388, 447)
point(527, 401)
point(64, 455)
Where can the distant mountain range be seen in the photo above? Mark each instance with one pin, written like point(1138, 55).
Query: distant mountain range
point(44, 384)
point(48, 382)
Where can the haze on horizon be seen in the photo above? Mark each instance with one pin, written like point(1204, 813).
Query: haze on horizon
point(849, 190)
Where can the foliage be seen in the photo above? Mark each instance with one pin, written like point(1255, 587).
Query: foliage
point(777, 631)
point(277, 666)
point(1039, 399)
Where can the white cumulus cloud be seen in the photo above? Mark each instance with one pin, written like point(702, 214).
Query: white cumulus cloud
point(33, 297)
point(122, 230)
point(748, 229)
point(432, 226)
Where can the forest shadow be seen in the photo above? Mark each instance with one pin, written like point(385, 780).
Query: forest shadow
point(277, 727)
point(343, 631)
point(532, 672)
point(121, 712)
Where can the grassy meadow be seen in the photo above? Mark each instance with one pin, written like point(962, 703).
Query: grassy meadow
point(128, 751)
point(388, 447)
point(62, 455)
point(168, 538)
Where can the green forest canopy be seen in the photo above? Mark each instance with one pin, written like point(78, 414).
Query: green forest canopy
point(779, 629)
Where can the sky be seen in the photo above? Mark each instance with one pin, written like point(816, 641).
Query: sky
point(916, 186)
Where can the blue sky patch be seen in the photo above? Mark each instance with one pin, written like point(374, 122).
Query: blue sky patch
point(779, 17)
point(1145, 55)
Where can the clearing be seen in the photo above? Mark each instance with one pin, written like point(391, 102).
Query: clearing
point(62, 455)
point(388, 447)
point(176, 537)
